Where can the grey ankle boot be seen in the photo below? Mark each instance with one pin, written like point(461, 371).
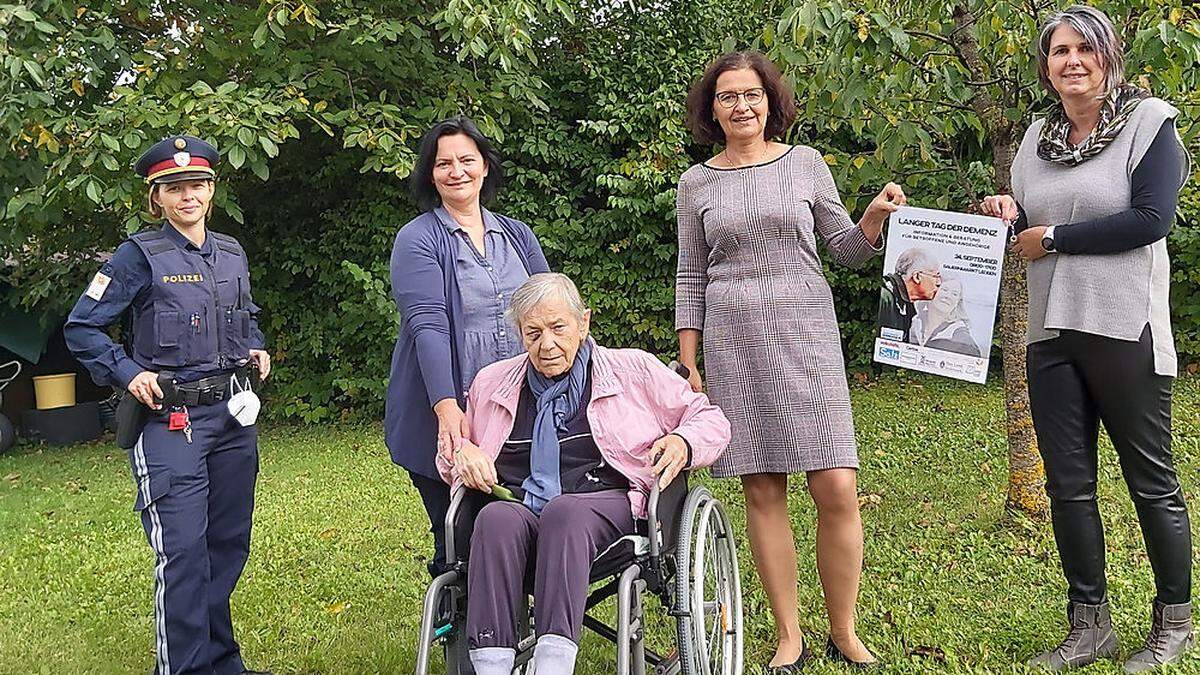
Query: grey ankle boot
point(1091, 638)
point(1170, 636)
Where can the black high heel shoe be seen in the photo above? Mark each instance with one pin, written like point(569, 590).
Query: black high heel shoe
point(834, 654)
point(795, 666)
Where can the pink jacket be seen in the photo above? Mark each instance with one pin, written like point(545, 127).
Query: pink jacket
point(636, 400)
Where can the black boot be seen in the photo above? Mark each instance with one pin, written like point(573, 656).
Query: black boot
point(1091, 638)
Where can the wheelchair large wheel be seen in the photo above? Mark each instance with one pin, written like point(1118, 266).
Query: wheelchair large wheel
point(708, 589)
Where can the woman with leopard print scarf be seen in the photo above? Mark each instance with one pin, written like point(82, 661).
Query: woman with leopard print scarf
point(1095, 186)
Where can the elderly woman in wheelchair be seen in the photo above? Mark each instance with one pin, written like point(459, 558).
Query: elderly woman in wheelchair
point(568, 442)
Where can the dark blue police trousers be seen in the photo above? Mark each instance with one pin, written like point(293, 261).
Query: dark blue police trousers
point(196, 501)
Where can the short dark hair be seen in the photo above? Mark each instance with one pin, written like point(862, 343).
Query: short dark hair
point(421, 180)
point(781, 100)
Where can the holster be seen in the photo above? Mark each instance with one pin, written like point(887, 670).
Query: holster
point(131, 418)
point(132, 414)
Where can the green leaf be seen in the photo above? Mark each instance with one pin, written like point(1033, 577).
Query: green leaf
point(260, 169)
point(93, 191)
point(227, 88)
point(231, 207)
point(268, 147)
point(260, 36)
point(36, 72)
point(237, 156)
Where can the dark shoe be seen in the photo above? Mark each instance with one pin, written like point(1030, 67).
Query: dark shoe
point(1090, 639)
point(834, 654)
point(1170, 636)
point(256, 672)
point(793, 667)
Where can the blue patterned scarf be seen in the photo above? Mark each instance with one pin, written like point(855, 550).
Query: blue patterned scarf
point(557, 402)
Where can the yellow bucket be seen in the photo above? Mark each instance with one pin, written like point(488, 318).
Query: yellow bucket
point(54, 391)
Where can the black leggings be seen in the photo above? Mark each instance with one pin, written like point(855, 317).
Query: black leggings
point(1076, 381)
point(436, 496)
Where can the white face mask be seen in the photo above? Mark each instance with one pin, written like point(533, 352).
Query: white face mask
point(244, 404)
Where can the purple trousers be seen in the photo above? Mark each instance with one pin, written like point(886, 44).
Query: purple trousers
point(572, 530)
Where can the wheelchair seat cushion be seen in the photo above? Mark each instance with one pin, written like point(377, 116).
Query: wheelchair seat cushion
point(620, 554)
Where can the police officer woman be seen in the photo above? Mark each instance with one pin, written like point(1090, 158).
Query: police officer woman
point(194, 353)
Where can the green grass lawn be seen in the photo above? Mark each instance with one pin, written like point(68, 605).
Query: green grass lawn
point(336, 575)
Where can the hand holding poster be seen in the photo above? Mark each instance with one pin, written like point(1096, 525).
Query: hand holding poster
point(941, 284)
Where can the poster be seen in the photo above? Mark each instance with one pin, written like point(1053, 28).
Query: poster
point(941, 284)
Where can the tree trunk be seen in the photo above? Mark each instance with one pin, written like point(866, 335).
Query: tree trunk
point(1026, 477)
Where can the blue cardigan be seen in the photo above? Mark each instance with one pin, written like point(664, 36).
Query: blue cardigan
point(425, 361)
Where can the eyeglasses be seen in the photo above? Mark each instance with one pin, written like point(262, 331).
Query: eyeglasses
point(753, 97)
point(931, 273)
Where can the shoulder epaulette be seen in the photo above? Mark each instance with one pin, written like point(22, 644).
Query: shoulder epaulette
point(226, 243)
point(152, 242)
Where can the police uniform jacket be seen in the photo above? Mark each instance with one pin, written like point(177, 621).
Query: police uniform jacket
point(191, 310)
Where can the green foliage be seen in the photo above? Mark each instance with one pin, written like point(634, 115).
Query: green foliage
point(1184, 244)
point(317, 108)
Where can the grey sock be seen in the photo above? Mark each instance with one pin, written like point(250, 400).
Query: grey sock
point(554, 655)
point(493, 660)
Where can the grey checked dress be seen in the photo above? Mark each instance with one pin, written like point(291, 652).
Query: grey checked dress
point(750, 279)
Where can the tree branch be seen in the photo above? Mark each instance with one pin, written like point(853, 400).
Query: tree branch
point(984, 102)
point(987, 83)
point(932, 36)
point(939, 38)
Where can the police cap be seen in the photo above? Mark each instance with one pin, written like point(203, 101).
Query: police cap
point(177, 158)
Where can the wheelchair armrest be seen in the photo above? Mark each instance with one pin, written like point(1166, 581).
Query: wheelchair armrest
point(456, 499)
point(465, 505)
point(662, 510)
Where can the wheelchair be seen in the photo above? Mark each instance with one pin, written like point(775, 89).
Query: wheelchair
point(684, 553)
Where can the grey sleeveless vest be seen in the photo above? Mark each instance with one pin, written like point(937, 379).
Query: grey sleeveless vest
point(1114, 295)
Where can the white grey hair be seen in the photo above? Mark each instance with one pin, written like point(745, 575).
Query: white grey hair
point(541, 287)
point(916, 260)
point(1097, 31)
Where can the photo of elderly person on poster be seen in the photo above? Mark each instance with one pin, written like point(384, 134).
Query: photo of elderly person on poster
point(917, 276)
point(942, 322)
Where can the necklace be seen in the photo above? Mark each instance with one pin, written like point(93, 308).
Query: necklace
point(729, 160)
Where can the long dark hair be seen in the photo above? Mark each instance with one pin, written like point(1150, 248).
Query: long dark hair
point(421, 180)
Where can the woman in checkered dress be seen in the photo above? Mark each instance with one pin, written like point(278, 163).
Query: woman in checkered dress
point(750, 280)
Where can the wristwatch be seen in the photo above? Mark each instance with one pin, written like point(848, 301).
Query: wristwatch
point(1048, 240)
